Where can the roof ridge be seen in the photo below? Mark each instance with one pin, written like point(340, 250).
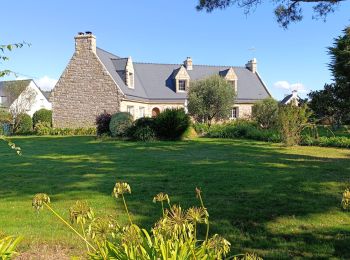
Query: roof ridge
point(14, 80)
point(107, 51)
point(180, 64)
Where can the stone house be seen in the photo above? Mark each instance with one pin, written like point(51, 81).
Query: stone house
point(95, 81)
point(23, 96)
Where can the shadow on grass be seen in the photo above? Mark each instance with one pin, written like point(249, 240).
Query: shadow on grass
point(246, 184)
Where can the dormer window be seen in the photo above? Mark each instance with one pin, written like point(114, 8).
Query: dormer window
point(182, 79)
point(131, 80)
point(234, 84)
point(182, 85)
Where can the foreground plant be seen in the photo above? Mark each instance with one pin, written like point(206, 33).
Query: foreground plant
point(8, 246)
point(345, 202)
point(174, 235)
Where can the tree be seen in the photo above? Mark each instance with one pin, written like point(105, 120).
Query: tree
point(210, 98)
point(285, 11)
point(340, 68)
point(323, 104)
point(265, 112)
point(333, 102)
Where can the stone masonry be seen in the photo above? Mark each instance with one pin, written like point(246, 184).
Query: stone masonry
point(85, 88)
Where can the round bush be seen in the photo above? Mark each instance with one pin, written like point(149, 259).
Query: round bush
point(43, 115)
point(172, 123)
point(102, 123)
point(120, 124)
point(23, 124)
point(143, 129)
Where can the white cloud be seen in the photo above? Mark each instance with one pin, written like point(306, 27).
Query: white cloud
point(46, 83)
point(288, 86)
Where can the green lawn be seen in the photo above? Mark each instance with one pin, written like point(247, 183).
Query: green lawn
point(278, 202)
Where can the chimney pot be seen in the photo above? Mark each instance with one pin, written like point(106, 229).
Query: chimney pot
point(252, 65)
point(88, 33)
point(188, 63)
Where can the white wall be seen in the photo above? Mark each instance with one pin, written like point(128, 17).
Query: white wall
point(30, 101)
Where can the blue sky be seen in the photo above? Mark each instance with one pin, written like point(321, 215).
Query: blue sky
point(169, 31)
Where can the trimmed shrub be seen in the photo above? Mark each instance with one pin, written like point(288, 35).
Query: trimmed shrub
point(340, 141)
point(143, 129)
point(42, 115)
point(73, 131)
point(23, 124)
point(102, 123)
point(42, 128)
point(120, 124)
point(172, 123)
point(243, 129)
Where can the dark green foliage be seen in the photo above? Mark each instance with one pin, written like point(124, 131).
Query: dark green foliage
point(285, 12)
point(340, 67)
point(143, 129)
point(292, 120)
point(171, 124)
point(23, 124)
point(102, 123)
point(243, 129)
point(120, 124)
point(323, 104)
point(265, 113)
point(42, 115)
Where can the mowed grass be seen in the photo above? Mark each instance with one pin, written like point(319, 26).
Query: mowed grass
point(278, 202)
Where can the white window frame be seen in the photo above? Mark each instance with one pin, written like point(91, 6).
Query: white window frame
point(142, 112)
point(185, 85)
point(130, 110)
point(234, 113)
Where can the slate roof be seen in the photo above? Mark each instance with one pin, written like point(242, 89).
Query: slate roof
point(154, 82)
point(286, 99)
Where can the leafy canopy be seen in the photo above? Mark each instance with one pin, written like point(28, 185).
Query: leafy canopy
point(285, 11)
point(210, 98)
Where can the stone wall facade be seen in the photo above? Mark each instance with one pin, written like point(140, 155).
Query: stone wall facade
point(85, 88)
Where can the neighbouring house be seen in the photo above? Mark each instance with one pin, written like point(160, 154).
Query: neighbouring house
point(96, 80)
point(23, 96)
point(291, 98)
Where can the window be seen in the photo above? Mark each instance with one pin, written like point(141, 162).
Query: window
point(234, 113)
point(233, 83)
point(141, 112)
point(131, 80)
point(3, 100)
point(182, 85)
point(130, 110)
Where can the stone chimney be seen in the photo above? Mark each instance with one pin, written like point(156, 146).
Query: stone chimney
point(85, 42)
point(252, 65)
point(188, 63)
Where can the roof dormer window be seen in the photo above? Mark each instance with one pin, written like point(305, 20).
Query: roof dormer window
point(131, 80)
point(182, 85)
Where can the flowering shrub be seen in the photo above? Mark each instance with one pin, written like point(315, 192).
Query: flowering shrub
point(174, 235)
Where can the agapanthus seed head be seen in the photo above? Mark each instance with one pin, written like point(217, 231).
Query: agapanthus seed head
point(121, 188)
point(197, 215)
point(39, 200)
point(219, 245)
point(103, 227)
point(161, 197)
point(80, 212)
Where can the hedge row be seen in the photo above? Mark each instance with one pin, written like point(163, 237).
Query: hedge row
point(171, 124)
point(340, 141)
